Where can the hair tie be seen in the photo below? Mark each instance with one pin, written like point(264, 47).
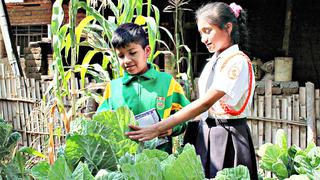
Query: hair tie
point(236, 9)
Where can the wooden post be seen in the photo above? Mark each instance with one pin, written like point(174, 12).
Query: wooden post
point(311, 123)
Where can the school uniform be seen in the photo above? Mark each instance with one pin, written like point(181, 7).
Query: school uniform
point(224, 140)
point(140, 93)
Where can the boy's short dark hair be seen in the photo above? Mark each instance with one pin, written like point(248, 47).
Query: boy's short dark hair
point(129, 33)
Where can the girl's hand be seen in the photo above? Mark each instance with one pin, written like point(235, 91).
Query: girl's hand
point(143, 134)
point(166, 133)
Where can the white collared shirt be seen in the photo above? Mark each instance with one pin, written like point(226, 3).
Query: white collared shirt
point(233, 79)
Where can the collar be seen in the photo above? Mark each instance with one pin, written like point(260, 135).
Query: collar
point(151, 73)
point(230, 50)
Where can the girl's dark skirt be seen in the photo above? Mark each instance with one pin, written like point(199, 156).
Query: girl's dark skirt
point(225, 143)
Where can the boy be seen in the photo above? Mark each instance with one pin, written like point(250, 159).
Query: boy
point(142, 87)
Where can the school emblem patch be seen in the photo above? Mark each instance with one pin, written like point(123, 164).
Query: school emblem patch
point(160, 102)
point(234, 72)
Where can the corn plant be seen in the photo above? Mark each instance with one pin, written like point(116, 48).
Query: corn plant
point(98, 31)
point(177, 8)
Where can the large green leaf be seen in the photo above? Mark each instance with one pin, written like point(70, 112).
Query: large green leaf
point(167, 162)
point(237, 173)
point(15, 168)
point(96, 151)
point(269, 154)
point(40, 170)
point(85, 64)
point(118, 120)
point(57, 16)
point(186, 166)
point(5, 131)
point(87, 127)
point(139, 7)
point(8, 139)
point(281, 139)
point(106, 175)
point(314, 156)
point(82, 172)
point(125, 146)
point(108, 26)
point(153, 153)
point(113, 8)
point(152, 35)
point(60, 170)
point(280, 169)
point(298, 177)
point(149, 169)
point(32, 151)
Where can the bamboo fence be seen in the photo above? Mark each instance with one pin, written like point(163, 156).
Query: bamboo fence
point(297, 114)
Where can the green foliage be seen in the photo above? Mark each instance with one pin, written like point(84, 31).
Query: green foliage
point(11, 163)
point(181, 52)
point(61, 170)
point(100, 141)
point(40, 170)
point(276, 158)
point(93, 150)
point(148, 169)
point(285, 162)
point(98, 32)
point(99, 147)
point(237, 173)
point(8, 140)
point(186, 166)
point(107, 175)
point(155, 164)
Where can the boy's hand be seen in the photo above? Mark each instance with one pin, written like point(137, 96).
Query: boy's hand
point(166, 133)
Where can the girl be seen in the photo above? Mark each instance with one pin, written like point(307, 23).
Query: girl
point(226, 87)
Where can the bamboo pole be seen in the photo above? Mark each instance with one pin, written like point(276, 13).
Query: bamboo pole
point(284, 108)
point(37, 114)
point(274, 116)
point(296, 107)
point(302, 100)
point(260, 123)
point(21, 111)
point(25, 108)
point(289, 102)
point(311, 120)
point(289, 118)
point(317, 109)
point(9, 94)
point(4, 94)
point(255, 105)
point(296, 117)
point(268, 110)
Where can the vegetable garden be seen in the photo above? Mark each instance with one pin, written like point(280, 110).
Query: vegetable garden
point(57, 140)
